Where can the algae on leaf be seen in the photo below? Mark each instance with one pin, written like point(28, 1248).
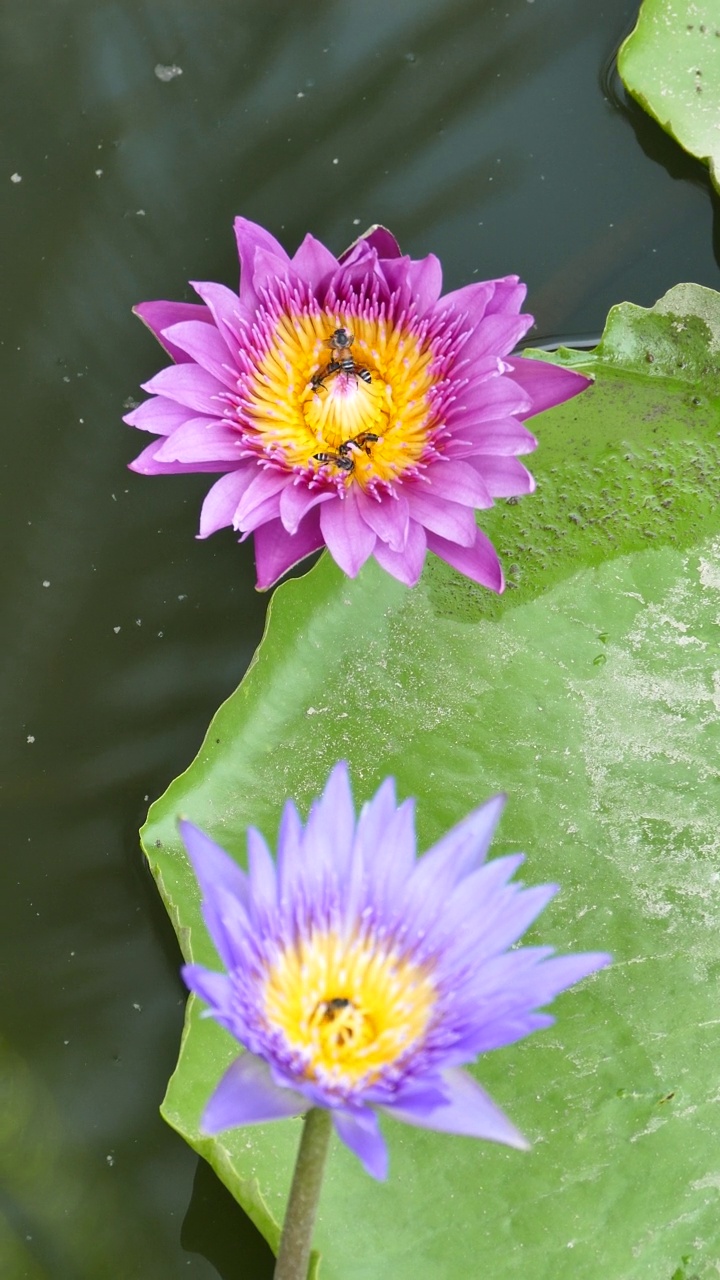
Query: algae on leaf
point(670, 64)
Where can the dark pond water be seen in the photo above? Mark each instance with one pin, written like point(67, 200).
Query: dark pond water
point(493, 134)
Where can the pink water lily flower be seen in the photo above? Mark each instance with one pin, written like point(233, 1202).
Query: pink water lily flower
point(362, 979)
point(348, 405)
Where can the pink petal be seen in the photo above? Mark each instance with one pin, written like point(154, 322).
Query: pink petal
point(160, 315)
point(250, 237)
point(348, 538)
point(297, 499)
point(277, 551)
point(508, 295)
point(146, 463)
point(448, 519)
point(247, 1095)
point(260, 497)
point(204, 344)
point(190, 385)
point(314, 262)
point(546, 384)
point(496, 335)
point(468, 1111)
point(268, 271)
point(201, 440)
point(425, 282)
point(504, 477)
point(377, 238)
point(405, 565)
point(222, 501)
point(159, 415)
point(231, 318)
point(503, 436)
point(471, 301)
point(483, 401)
point(480, 562)
point(460, 483)
point(389, 518)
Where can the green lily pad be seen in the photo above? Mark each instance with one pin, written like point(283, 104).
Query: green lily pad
point(670, 64)
point(590, 692)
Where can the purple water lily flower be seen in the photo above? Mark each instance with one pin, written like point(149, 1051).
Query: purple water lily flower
point(348, 404)
point(348, 986)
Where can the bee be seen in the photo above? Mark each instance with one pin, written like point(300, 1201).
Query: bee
point(341, 460)
point(341, 360)
point(333, 1007)
point(343, 457)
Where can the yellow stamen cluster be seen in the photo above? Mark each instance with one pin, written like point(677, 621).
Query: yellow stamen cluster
point(350, 1007)
point(299, 419)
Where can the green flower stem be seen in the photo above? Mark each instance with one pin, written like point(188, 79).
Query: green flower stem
point(296, 1240)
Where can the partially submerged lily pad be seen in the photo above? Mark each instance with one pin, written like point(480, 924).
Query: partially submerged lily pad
point(670, 63)
point(590, 692)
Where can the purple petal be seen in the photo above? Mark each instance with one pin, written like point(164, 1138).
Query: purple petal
point(330, 829)
point(462, 850)
point(405, 565)
point(159, 415)
point(448, 519)
point(202, 440)
point(360, 1131)
point(468, 1111)
point(225, 892)
point(277, 551)
point(160, 315)
point(247, 1095)
point(387, 854)
point(480, 562)
point(222, 501)
point(389, 518)
point(204, 344)
point(190, 385)
point(347, 537)
point(214, 988)
point(561, 972)
point(546, 384)
point(501, 1032)
point(263, 878)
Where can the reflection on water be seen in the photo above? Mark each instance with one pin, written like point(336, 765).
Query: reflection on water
point(480, 131)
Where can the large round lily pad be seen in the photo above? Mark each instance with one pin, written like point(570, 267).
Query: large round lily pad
point(590, 692)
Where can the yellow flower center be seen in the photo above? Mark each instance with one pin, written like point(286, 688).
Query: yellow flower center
point(356, 406)
point(350, 1008)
